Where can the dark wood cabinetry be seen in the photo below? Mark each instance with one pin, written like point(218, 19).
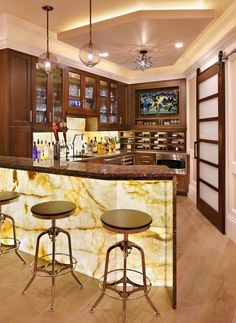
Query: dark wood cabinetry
point(49, 97)
point(145, 159)
point(15, 103)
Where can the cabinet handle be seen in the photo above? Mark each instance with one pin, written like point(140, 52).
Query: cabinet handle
point(50, 117)
point(31, 116)
point(120, 120)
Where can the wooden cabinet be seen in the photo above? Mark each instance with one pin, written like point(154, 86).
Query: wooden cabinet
point(108, 104)
point(81, 93)
point(49, 97)
point(123, 106)
point(15, 103)
point(145, 159)
point(159, 140)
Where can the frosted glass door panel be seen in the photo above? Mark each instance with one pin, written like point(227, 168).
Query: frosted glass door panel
point(208, 109)
point(209, 174)
point(209, 152)
point(208, 130)
point(208, 87)
point(209, 195)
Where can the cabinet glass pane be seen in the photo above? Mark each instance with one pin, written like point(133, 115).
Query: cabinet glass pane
point(41, 96)
point(103, 91)
point(113, 104)
point(74, 90)
point(57, 95)
point(90, 93)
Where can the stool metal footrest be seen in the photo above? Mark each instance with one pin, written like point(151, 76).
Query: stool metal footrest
point(6, 248)
point(45, 269)
point(115, 287)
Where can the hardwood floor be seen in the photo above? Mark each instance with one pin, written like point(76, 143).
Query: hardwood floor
point(206, 285)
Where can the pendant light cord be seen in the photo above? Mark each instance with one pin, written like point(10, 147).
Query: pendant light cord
point(47, 34)
point(90, 22)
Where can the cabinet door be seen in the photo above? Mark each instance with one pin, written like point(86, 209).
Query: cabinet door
point(20, 102)
point(73, 104)
point(145, 159)
point(123, 106)
point(57, 100)
point(113, 119)
point(20, 141)
point(90, 95)
point(41, 97)
point(103, 103)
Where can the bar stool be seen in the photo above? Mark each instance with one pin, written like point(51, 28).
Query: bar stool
point(125, 222)
point(7, 197)
point(52, 210)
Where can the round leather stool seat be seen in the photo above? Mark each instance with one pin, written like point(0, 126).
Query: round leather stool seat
point(8, 196)
point(53, 210)
point(126, 220)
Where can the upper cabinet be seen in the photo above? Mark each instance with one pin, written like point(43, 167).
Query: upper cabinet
point(81, 93)
point(48, 97)
point(73, 88)
point(108, 104)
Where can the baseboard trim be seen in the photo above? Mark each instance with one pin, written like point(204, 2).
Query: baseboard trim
point(230, 227)
point(192, 194)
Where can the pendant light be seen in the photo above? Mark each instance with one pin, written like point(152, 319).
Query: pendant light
point(143, 61)
point(90, 54)
point(47, 60)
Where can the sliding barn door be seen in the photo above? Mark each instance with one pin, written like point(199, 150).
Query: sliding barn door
point(211, 144)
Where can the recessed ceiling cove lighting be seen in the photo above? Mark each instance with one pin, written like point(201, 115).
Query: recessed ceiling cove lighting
point(179, 45)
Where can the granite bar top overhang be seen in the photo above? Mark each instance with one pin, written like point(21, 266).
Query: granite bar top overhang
point(88, 170)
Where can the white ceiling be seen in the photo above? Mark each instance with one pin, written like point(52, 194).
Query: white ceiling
point(125, 26)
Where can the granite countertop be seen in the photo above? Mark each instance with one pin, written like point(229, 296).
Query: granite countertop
point(89, 170)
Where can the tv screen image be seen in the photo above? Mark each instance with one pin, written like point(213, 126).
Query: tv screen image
point(159, 101)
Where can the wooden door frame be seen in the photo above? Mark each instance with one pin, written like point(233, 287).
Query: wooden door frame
point(216, 218)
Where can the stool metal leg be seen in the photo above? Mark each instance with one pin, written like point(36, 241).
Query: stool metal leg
point(53, 238)
point(35, 262)
point(144, 279)
point(15, 242)
point(124, 296)
point(92, 308)
point(2, 219)
point(71, 261)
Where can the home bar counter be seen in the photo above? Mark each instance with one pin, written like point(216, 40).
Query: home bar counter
point(96, 188)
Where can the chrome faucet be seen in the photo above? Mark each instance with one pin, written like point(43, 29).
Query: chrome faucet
point(73, 141)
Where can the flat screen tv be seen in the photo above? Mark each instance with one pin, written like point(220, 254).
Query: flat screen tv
point(156, 102)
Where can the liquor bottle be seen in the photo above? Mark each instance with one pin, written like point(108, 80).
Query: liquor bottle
point(45, 150)
point(95, 145)
point(34, 151)
point(50, 151)
point(41, 149)
point(38, 149)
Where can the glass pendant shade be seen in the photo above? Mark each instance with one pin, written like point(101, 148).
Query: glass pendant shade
point(90, 54)
point(47, 62)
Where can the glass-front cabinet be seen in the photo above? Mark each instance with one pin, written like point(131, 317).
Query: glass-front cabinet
point(113, 104)
point(103, 102)
point(74, 84)
point(90, 94)
point(57, 100)
point(41, 110)
point(48, 96)
point(108, 103)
